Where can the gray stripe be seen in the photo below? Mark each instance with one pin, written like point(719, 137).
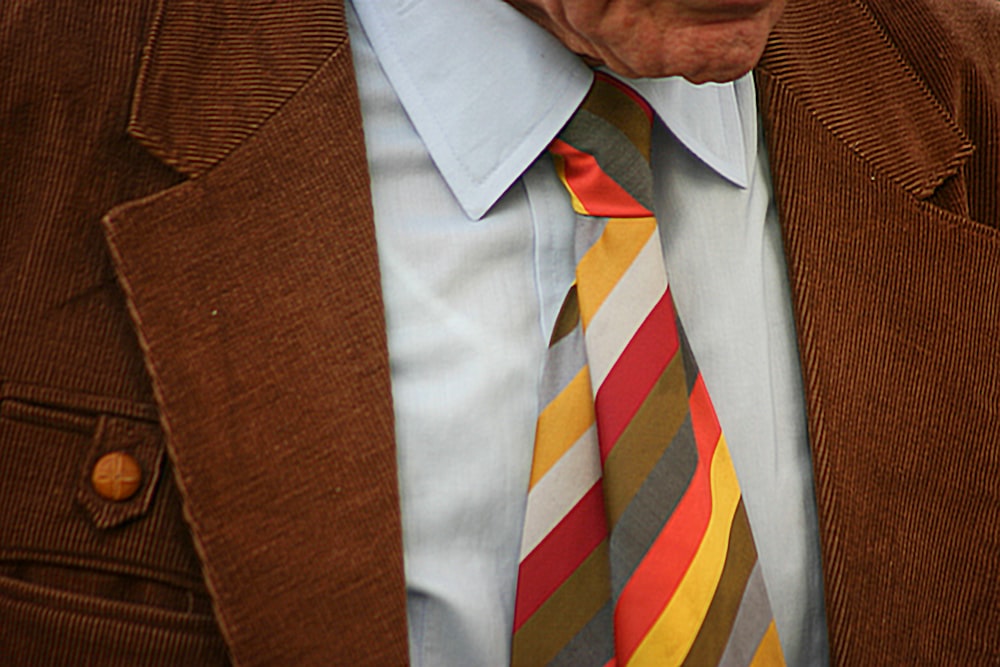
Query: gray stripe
point(593, 646)
point(751, 623)
point(690, 365)
point(588, 229)
point(652, 505)
point(563, 361)
point(614, 152)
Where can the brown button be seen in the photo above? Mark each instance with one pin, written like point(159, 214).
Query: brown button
point(116, 476)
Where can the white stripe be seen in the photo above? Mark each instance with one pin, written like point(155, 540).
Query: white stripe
point(560, 490)
point(623, 311)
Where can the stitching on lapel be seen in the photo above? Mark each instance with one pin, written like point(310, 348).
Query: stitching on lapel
point(872, 113)
point(193, 106)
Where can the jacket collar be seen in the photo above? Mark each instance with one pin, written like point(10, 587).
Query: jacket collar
point(213, 73)
point(880, 109)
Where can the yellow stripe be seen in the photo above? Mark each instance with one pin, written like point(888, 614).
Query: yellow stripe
point(561, 423)
point(769, 650)
point(603, 265)
point(560, 163)
point(669, 640)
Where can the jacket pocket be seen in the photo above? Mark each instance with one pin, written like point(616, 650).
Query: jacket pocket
point(54, 433)
point(42, 626)
point(92, 537)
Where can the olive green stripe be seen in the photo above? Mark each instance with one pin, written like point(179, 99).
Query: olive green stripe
point(751, 624)
point(618, 158)
point(594, 645)
point(565, 613)
point(617, 108)
point(645, 439)
point(653, 505)
point(568, 318)
point(741, 557)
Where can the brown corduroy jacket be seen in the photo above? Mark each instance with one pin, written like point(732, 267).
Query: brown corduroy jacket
point(188, 274)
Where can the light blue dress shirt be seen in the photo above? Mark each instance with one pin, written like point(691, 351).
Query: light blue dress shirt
point(475, 238)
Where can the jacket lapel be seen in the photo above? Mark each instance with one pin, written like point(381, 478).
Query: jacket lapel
point(255, 291)
point(896, 295)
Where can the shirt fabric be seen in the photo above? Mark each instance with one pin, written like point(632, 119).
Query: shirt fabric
point(475, 237)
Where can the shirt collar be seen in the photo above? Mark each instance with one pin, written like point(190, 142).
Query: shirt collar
point(487, 89)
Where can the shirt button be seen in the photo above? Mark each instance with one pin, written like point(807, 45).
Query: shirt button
point(116, 476)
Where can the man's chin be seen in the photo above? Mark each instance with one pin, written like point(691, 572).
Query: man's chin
point(700, 54)
point(701, 40)
point(721, 69)
point(694, 68)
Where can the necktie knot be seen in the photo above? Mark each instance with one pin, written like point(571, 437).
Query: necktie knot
point(602, 155)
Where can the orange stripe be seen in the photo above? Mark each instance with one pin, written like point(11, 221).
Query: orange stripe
point(593, 190)
point(704, 421)
point(661, 571)
point(670, 638)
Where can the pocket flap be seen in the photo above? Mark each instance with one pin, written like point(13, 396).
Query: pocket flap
point(121, 470)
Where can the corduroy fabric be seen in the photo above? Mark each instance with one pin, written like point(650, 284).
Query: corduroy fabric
point(962, 76)
point(897, 304)
point(257, 303)
point(214, 72)
point(83, 581)
point(282, 259)
point(43, 627)
point(255, 292)
point(283, 446)
point(66, 161)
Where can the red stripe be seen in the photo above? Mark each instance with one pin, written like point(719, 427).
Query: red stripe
point(559, 554)
point(635, 372)
point(655, 581)
point(704, 421)
point(597, 191)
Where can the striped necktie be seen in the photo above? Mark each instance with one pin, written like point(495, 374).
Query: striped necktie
point(636, 546)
